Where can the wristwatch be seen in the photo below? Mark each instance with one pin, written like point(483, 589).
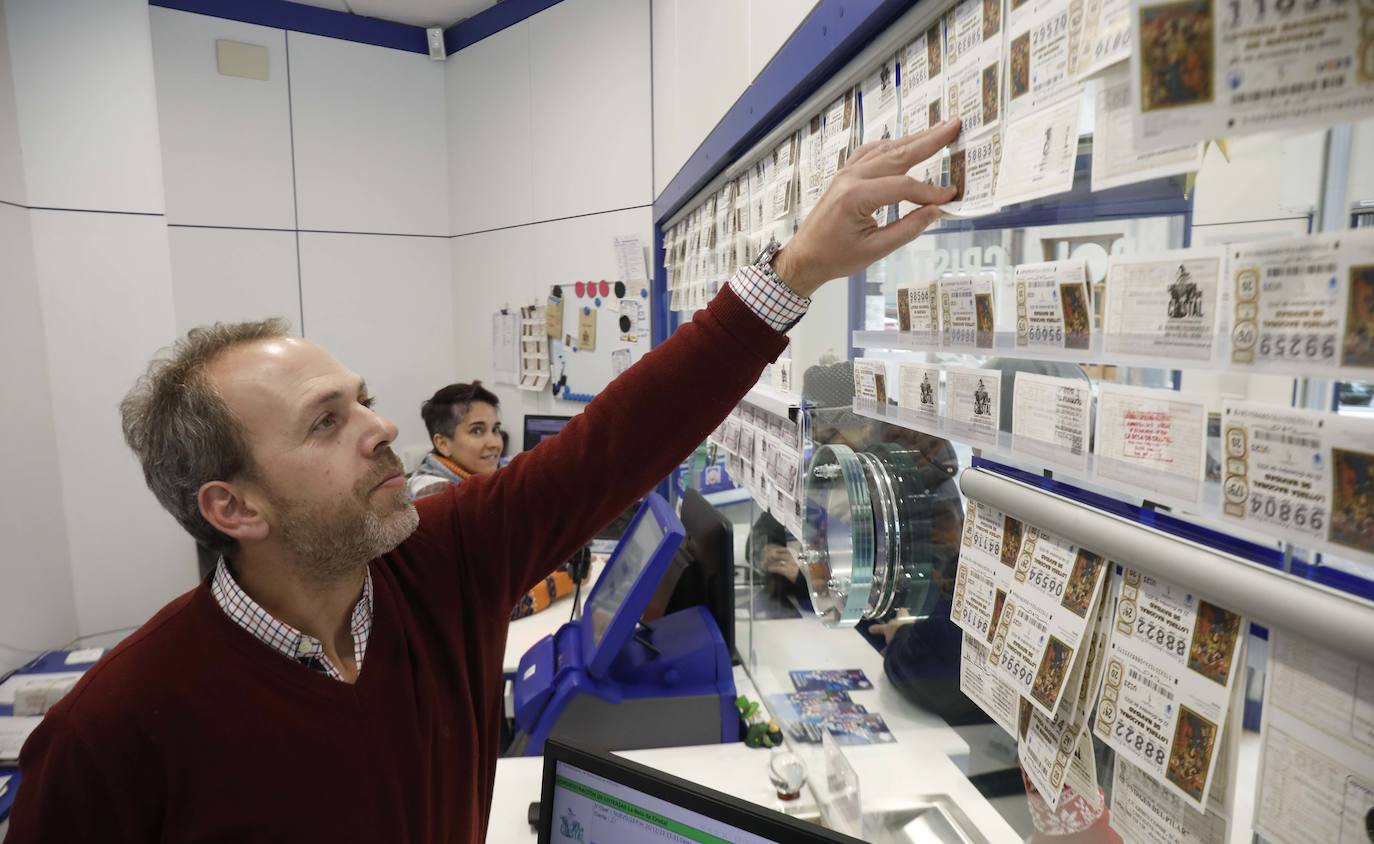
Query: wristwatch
point(764, 263)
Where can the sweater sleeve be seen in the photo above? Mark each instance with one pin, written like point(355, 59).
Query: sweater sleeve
point(77, 785)
point(516, 525)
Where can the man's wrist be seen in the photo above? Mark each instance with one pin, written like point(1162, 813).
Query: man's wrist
point(789, 268)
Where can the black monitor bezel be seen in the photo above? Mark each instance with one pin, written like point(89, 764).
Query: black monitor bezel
point(525, 427)
point(728, 809)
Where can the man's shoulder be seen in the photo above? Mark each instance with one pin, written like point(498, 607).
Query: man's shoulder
point(119, 683)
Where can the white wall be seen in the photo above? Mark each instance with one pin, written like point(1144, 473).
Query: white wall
point(320, 194)
point(694, 87)
point(550, 153)
point(87, 119)
point(36, 603)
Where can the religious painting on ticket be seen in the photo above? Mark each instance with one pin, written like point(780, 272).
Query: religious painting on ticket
point(934, 112)
point(956, 174)
point(934, 51)
point(1050, 676)
point(1359, 318)
point(1012, 530)
point(1073, 299)
point(1176, 55)
point(990, 99)
point(1214, 642)
point(997, 603)
point(992, 18)
point(1078, 592)
point(1020, 65)
point(982, 305)
point(1190, 754)
point(1352, 498)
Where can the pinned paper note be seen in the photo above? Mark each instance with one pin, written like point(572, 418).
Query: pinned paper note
point(553, 313)
point(586, 330)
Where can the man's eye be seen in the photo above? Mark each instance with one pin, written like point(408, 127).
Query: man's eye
point(368, 402)
point(326, 422)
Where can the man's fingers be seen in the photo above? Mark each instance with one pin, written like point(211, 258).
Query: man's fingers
point(889, 238)
point(905, 153)
point(865, 151)
point(888, 190)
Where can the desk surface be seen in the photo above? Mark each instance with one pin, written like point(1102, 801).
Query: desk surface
point(804, 644)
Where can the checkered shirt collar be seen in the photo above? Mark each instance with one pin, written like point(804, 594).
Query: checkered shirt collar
point(282, 637)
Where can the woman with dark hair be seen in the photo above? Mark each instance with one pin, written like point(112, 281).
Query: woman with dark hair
point(464, 424)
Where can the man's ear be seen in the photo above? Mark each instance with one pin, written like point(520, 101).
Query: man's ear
point(441, 444)
point(227, 506)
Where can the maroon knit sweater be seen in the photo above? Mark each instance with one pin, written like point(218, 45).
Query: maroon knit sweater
point(191, 730)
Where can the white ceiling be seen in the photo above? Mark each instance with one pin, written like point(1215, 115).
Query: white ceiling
point(443, 13)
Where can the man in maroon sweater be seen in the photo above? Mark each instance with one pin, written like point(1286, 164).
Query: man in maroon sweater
point(242, 710)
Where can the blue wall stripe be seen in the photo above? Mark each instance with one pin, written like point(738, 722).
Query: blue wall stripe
point(835, 32)
point(490, 21)
point(295, 17)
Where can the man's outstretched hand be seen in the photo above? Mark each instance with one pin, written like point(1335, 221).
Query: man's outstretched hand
point(840, 236)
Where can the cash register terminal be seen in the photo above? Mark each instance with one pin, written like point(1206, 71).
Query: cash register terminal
point(615, 682)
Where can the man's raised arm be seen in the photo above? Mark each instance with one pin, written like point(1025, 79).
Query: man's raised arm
point(533, 514)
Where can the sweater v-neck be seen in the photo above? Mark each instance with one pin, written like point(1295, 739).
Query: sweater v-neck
point(264, 658)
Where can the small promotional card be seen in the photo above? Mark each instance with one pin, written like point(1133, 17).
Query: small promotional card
point(844, 680)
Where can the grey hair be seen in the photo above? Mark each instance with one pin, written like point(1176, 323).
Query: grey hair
point(181, 430)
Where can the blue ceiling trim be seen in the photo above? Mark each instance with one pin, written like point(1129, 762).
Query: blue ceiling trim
point(280, 14)
point(490, 21)
point(835, 32)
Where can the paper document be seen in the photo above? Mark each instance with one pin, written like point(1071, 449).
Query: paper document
point(988, 551)
point(1117, 160)
point(1163, 305)
point(973, 403)
point(8, 687)
point(1050, 418)
point(973, 62)
point(1101, 29)
point(1305, 304)
point(923, 84)
point(1316, 779)
point(629, 258)
point(920, 390)
point(1053, 310)
point(982, 685)
point(1155, 440)
point(1206, 70)
point(13, 733)
point(1046, 620)
point(505, 347)
point(870, 381)
point(1171, 665)
point(1039, 153)
point(1037, 56)
point(966, 312)
point(1145, 812)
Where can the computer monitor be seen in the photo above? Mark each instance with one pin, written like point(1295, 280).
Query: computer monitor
point(703, 573)
point(540, 428)
point(611, 800)
point(628, 582)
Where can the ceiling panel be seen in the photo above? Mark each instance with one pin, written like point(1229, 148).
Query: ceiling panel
point(443, 13)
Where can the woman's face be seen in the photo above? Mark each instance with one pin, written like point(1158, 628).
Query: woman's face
point(476, 441)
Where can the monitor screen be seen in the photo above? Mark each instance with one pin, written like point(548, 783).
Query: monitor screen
point(540, 428)
point(619, 578)
point(609, 812)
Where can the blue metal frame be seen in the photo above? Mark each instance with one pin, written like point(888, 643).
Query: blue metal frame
point(312, 20)
point(490, 21)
